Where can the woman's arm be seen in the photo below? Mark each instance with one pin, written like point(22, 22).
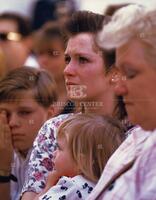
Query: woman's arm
point(40, 163)
point(52, 179)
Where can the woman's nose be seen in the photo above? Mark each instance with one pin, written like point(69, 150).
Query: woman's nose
point(120, 89)
point(69, 69)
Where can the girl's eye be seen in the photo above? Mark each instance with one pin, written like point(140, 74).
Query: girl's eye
point(57, 146)
point(83, 60)
point(67, 59)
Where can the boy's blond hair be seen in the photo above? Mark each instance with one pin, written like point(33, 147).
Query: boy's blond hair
point(91, 140)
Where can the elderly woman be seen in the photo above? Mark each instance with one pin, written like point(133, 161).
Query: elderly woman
point(86, 84)
point(131, 172)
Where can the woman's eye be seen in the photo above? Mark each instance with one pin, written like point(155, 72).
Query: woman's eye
point(83, 60)
point(130, 74)
point(67, 59)
point(58, 147)
point(128, 71)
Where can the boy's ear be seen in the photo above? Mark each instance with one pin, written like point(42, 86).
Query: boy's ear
point(51, 112)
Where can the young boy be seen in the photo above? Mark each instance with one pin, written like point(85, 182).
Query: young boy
point(26, 98)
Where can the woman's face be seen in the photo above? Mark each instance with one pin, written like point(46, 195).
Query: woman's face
point(137, 83)
point(84, 72)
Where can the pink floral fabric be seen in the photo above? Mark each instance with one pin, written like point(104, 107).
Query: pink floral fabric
point(139, 181)
point(42, 155)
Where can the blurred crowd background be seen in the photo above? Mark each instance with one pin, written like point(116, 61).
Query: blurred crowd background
point(26, 7)
point(20, 19)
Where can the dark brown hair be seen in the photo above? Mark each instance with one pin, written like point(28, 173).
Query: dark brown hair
point(89, 22)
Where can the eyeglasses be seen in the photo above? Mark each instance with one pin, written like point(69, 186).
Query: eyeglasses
point(11, 36)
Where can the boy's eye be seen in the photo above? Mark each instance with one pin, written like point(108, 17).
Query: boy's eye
point(67, 59)
point(23, 112)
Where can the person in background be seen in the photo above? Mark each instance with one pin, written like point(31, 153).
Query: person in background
point(3, 69)
point(63, 11)
point(26, 102)
point(132, 31)
point(43, 12)
point(52, 10)
point(16, 41)
point(49, 47)
point(84, 143)
point(87, 85)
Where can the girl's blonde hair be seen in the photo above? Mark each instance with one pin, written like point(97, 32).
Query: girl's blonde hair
point(91, 140)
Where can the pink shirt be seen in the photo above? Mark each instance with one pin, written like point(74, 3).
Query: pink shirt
point(138, 152)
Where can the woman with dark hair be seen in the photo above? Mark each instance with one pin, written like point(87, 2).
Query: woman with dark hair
point(87, 85)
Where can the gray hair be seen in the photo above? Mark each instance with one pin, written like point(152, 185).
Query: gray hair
point(132, 21)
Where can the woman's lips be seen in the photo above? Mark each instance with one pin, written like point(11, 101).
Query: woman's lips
point(70, 83)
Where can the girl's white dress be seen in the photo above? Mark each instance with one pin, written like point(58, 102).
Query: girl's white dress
point(74, 188)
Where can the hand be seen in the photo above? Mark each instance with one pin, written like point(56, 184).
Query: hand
point(52, 179)
point(6, 147)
